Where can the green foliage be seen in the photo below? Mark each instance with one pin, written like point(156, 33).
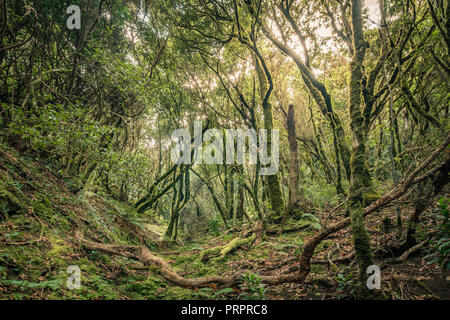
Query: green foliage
point(50, 130)
point(346, 284)
point(321, 194)
point(210, 294)
point(253, 287)
point(441, 248)
point(50, 284)
point(214, 225)
point(310, 218)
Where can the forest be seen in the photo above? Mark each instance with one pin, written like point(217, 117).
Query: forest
point(224, 150)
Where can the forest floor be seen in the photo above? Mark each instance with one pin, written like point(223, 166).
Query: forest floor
point(40, 215)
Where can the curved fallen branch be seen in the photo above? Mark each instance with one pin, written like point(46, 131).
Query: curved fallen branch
point(144, 255)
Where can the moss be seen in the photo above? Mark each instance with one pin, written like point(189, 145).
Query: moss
point(236, 243)
point(58, 246)
point(208, 253)
point(86, 266)
point(147, 288)
point(224, 250)
point(261, 252)
point(184, 258)
point(369, 197)
point(10, 204)
point(324, 245)
point(57, 255)
point(276, 197)
point(199, 268)
point(154, 269)
point(178, 293)
point(43, 208)
point(227, 237)
point(36, 268)
point(361, 242)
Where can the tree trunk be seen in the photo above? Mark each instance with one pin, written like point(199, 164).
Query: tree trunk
point(293, 159)
point(273, 183)
point(359, 180)
point(241, 196)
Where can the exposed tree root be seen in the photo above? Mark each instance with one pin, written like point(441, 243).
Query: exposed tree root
point(222, 251)
point(404, 256)
point(144, 255)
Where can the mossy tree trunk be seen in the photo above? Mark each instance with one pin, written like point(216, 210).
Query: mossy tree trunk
point(273, 183)
point(293, 159)
point(179, 201)
point(360, 180)
point(231, 195)
point(170, 227)
point(241, 195)
point(216, 201)
point(392, 152)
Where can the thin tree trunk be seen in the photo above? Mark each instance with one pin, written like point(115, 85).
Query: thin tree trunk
point(359, 180)
point(293, 159)
point(273, 183)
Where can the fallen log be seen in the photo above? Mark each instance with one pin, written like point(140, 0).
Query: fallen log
point(222, 251)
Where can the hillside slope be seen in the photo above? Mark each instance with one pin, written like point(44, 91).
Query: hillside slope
point(39, 215)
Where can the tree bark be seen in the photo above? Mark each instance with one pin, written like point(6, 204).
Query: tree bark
point(293, 159)
point(359, 180)
point(273, 183)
